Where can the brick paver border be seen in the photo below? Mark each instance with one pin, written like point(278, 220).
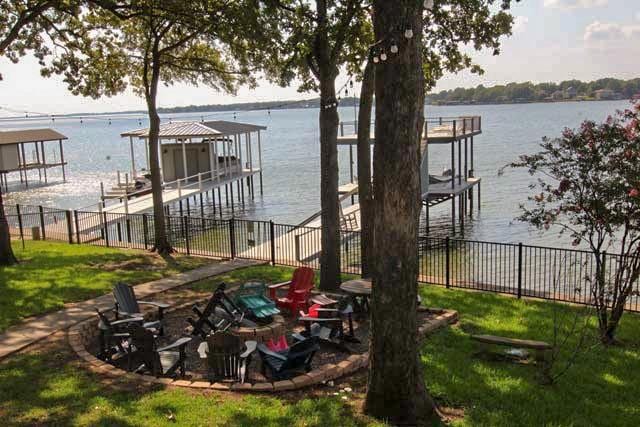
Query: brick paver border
point(85, 332)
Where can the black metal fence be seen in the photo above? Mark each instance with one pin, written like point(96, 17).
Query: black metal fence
point(522, 270)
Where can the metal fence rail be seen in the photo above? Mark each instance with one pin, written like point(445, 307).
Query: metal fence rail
point(522, 270)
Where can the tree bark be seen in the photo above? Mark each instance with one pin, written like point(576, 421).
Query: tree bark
point(161, 242)
point(329, 121)
point(396, 389)
point(6, 252)
point(365, 195)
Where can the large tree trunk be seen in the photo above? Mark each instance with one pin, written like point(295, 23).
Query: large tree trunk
point(329, 121)
point(365, 195)
point(6, 253)
point(161, 242)
point(396, 390)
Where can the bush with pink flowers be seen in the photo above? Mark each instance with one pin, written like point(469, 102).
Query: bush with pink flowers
point(588, 189)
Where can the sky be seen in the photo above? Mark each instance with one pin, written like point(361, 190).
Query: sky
point(553, 40)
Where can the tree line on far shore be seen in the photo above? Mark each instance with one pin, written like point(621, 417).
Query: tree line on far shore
point(531, 92)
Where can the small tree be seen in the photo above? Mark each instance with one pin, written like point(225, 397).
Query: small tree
point(143, 43)
point(321, 37)
point(589, 188)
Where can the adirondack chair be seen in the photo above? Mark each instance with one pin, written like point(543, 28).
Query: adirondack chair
point(228, 356)
point(126, 304)
point(285, 363)
point(220, 313)
point(114, 337)
point(251, 296)
point(159, 361)
point(298, 293)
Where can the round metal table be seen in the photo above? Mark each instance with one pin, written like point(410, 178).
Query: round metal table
point(360, 291)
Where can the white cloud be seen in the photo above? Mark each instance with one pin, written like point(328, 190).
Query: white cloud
point(574, 4)
point(607, 31)
point(520, 24)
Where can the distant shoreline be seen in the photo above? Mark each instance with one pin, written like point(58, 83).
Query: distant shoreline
point(287, 105)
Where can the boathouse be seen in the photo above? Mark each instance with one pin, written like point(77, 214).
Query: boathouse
point(195, 158)
point(16, 144)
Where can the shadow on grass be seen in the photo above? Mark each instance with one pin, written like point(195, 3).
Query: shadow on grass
point(50, 389)
point(52, 274)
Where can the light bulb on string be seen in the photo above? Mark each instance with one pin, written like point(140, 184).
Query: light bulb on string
point(109, 122)
point(428, 4)
point(383, 56)
point(394, 47)
point(376, 59)
point(408, 33)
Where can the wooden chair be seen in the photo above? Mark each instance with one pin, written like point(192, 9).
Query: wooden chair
point(251, 296)
point(159, 361)
point(298, 293)
point(126, 304)
point(228, 356)
point(220, 313)
point(284, 364)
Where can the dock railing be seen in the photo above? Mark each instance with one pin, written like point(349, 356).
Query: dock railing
point(458, 126)
point(548, 273)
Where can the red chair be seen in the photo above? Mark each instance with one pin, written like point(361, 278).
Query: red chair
point(299, 289)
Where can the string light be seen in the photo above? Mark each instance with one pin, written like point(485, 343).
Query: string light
point(408, 33)
point(383, 56)
point(394, 46)
point(428, 4)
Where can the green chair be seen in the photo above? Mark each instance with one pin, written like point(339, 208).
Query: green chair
point(251, 296)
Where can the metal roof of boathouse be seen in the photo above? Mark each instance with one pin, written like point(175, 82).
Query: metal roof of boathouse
point(23, 136)
point(197, 129)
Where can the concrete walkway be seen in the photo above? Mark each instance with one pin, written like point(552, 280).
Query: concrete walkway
point(19, 336)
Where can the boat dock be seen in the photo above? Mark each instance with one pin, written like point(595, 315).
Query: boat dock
point(459, 183)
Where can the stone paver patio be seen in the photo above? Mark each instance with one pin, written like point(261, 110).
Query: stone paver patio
point(19, 336)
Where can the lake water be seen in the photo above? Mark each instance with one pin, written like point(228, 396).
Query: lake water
point(291, 161)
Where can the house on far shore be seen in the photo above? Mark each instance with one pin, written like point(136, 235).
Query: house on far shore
point(604, 94)
point(570, 93)
point(557, 95)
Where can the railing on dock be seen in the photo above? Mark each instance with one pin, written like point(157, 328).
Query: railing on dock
point(556, 274)
point(455, 127)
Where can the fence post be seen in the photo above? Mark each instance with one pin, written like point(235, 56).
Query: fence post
point(272, 236)
point(20, 223)
point(447, 244)
point(519, 270)
point(69, 227)
point(42, 225)
point(106, 229)
point(604, 266)
point(186, 234)
point(145, 230)
point(77, 222)
point(232, 237)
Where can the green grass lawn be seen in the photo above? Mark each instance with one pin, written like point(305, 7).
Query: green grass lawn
point(52, 274)
point(601, 388)
point(47, 386)
point(49, 389)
